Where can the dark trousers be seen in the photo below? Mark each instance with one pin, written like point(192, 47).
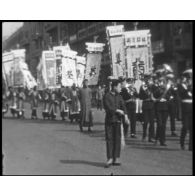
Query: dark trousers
point(34, 112)
point(113, 140)
point(99, 104)
point(161, 116)
point(148, 116)
point(172, 114)
point(186, 125)
point(132, 118)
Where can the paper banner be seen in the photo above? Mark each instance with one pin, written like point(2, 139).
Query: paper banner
point(59, 52)
point(80, 69)
point(69, 68)
point(8, 66)
point(41, 76)
point(116, 46)
point(49, 62)
point(93, 67)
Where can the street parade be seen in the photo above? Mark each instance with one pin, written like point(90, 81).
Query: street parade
point(137, 101)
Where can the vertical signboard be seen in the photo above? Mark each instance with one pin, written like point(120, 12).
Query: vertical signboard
point(93, 64)
point(116, 47)
point(80, 69)
point(49, 62)
point(138, 53)
point(69, 76)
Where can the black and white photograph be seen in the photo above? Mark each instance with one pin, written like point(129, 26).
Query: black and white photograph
point(97, 98)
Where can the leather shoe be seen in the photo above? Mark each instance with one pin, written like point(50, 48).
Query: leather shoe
point(117, 162)
point(109, 163)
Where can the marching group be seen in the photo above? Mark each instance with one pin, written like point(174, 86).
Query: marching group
point(159, 93)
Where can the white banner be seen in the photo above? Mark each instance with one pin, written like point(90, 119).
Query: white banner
point(49, 62)
point(41, 76)
point(69, 75)
point(80, 69)
point(95, 47)
point(138, 53)
point(8, 65)
point(117, 53)
point(137, 38)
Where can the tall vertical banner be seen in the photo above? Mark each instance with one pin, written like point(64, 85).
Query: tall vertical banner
point(49, 62)
point(69, 76)
point(41, 75)
point(8, 68)
point(116, 47)
point(80, 69)
point(19, 57)
point(138, 53)
point(94, 58)
point(59, 52)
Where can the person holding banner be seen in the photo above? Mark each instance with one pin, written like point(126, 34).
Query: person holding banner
point(85, 97)
point(74, 105)
point(53, 105)
point(46, 100)
point(34, 97)
point(115, 111)
point(64, 97)
point(21, 99)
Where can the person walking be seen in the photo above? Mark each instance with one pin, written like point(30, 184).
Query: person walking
point(85, 97)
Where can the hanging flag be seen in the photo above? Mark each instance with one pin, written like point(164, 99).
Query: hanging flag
point(138, 53)
point(80, 69)
point(116, 49)
point(93, 64)
point(69, 76)
point(49, 63)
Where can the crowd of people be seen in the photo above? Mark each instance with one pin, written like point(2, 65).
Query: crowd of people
point(159, 96)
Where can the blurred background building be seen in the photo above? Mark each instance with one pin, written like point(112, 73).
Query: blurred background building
point(171, 41)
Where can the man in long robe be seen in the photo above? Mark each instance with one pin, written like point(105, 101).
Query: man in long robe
point(85, 96)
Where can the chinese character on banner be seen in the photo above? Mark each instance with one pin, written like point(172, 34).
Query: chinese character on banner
point(138, 68)
point(69, 74)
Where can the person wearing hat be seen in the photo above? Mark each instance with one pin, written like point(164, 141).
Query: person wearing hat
point(34, 97)
point(185, 93)
point(172, 102)
point(115, 111)
point(129, 97)
point(160, 95)
point(85, 97)
point(146, 94)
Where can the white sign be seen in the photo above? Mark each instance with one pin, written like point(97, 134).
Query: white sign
point(115, 30)
point(137, 38)
point(95, 47)
point(80, 69)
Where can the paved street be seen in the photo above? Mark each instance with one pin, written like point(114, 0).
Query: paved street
point(42, 147)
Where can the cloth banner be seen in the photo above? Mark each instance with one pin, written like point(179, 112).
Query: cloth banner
point(29, 79)
point(117, 53)
point(69, 75)
point(93, 67)
point(138, 53)
point(59, 52)
point(49, 63)
point(80, 69)
point(8, 67)
point(137, 62)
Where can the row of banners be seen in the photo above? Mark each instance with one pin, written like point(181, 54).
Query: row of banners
point(62, 66)
point(130, 52)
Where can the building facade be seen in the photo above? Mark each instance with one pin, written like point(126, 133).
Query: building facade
point(171, 41)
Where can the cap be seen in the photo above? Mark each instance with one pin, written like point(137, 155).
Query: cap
point(187, 73)
point(170, 76)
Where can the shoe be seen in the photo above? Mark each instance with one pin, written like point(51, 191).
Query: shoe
point(109, 163)
point(163, 144)
point(173, 134)
point(117, 162)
